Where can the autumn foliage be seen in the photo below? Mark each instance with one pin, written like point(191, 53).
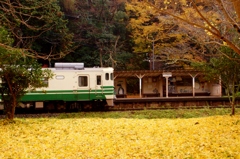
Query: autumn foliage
point(207, 137)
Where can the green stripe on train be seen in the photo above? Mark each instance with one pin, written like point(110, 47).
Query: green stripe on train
point(67, 95)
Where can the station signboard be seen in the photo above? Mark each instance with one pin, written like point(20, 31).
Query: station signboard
point(167, 74)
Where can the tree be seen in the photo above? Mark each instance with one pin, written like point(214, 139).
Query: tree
point(18, 73)
point(101, 33)
point(219, 19)
point(169, 44)
point(38, 27)
point(228, 69)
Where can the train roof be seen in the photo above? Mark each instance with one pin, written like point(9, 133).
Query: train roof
point(85, 69)
point(77, 67)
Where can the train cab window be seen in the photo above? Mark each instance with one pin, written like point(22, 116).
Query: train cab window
point(99, 82)
point(82, 81)
point(111, 76)
point(107, 76)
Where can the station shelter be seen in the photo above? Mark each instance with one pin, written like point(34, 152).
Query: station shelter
point(162, 83)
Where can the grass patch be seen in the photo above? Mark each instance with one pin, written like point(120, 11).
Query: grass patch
point(152, 114)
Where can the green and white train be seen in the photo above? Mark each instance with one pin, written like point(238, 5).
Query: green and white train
point(73, 87)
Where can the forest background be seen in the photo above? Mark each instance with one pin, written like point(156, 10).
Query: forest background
point(126, 35)
point(123, 34)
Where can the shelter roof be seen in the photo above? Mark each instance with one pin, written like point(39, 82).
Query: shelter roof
point(154, 73)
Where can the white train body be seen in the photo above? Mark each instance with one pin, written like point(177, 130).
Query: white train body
point(73, 86)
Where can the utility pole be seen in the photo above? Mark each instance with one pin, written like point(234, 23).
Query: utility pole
point(153, 53)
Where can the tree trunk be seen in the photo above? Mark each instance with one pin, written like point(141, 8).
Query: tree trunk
point(233, 103)
point(100, 58)
point(10, 114)
point(10, 106)
point(233, 110)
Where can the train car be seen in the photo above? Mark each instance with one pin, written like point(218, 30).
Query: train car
point(73, 87)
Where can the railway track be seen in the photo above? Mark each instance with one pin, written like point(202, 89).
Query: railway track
point(149, 103)
point(35, 115)
point(58, 115)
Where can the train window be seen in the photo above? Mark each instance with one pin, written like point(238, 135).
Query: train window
point(82, 81)
point(45, 81)
point(111, 76)
point(99, 80)
point(107, 76)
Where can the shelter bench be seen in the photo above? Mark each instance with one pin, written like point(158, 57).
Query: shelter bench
point(189, 94)
point(151, 94)
point(121, 95)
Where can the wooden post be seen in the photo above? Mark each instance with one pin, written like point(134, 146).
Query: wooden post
point(167, 75)
point(140, 84)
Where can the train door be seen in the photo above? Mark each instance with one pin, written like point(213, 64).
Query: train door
point(98, 86)
point(83, 88)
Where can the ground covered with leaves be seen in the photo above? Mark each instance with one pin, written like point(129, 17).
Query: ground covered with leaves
point(108, 137)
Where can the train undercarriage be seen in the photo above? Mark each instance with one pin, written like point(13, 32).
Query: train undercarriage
point(61, 106)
